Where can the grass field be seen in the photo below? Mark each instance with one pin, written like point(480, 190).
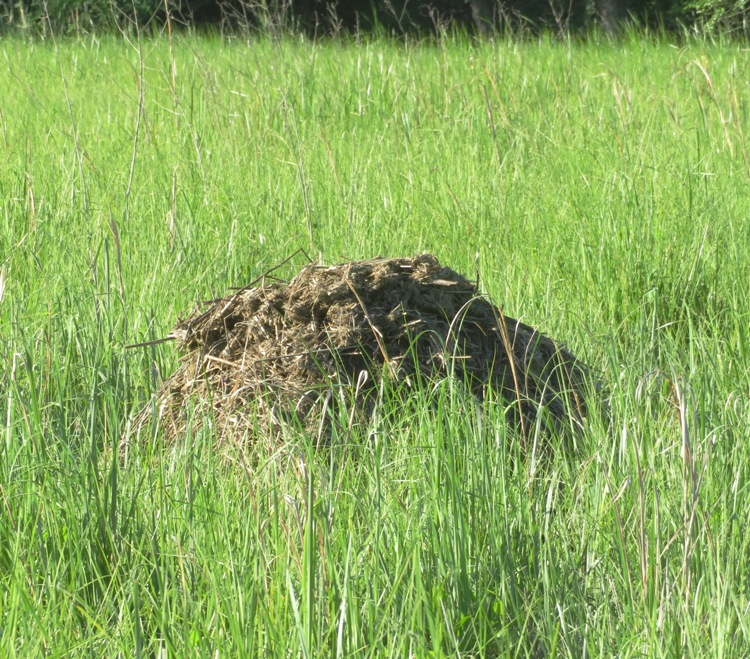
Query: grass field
point(602, 191)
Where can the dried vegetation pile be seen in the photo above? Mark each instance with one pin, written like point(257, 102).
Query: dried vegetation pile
point(282, 350)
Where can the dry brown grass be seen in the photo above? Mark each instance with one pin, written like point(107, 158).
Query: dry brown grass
point(278, 350)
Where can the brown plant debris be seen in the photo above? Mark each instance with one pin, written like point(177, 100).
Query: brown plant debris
point(277, 350)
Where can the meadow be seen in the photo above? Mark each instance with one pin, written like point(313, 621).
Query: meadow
point(602, 192)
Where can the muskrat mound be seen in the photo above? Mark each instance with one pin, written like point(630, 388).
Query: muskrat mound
point(279, 350)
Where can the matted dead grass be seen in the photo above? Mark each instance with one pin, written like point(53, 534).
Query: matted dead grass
point(276, 351)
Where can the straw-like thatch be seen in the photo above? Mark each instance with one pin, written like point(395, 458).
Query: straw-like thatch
point(279, 349)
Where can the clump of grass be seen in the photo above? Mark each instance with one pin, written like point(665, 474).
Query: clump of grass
point(295, 348)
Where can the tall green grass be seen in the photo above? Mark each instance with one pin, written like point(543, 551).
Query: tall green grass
point(601, 192)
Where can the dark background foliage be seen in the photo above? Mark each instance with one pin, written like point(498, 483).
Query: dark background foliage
point(324, 17)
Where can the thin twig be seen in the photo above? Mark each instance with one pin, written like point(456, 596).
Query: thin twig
point(375, 331)
point(502, 326)
point(155, 342)
point(272, 269)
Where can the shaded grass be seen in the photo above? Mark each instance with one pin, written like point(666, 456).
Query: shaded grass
point(601, 192)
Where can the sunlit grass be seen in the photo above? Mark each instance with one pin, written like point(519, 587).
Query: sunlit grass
point(601, 193)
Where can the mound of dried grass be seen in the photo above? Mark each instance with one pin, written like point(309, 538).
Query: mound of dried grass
point(277, 350)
